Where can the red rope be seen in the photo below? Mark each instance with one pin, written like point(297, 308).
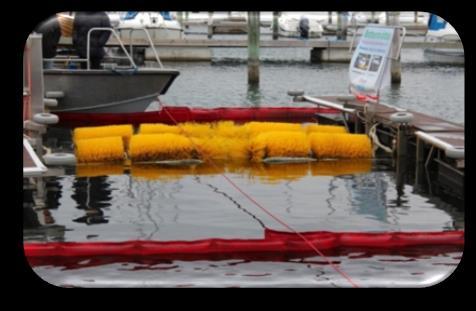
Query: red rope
point(347, 277)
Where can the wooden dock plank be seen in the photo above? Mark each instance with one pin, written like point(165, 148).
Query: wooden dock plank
point(449, 132)
point(421, 121)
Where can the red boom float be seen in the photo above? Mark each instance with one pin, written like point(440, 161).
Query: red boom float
point(185, 114)
point(274, 242)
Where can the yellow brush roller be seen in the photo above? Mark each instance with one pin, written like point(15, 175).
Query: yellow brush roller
point(255, 128)
point(279, 144)
point(159, 147)
point(316, 128)
point(125, 131)
point(221, 148)
point(104, 149)
point(158, 128)
point(229, 129)
point(330, 145)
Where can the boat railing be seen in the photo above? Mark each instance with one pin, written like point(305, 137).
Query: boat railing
point(114, 33)
point(88, 50)
point(149, 39)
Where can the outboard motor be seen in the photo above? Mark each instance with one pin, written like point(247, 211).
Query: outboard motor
point(304, 27)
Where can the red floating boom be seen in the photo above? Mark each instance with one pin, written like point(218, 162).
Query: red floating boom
point(185, 114)
point(274, 242)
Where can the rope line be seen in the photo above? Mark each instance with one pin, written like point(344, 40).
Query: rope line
point(252, 200)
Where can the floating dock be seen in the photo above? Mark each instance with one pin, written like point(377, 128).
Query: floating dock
point(430, 141)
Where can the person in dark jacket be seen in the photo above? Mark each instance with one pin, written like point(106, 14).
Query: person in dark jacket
point(304, 27)
point(51, 33)
point(83, 22)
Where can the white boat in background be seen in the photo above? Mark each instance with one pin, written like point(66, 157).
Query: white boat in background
point(406, 18)
point(440, 30)
point(289, 25)
point(161, 25)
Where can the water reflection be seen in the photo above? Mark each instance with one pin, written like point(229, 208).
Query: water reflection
point(253, 95)
point(92, 194)
point(38, 220)
point(158, 196)
point(368, 195)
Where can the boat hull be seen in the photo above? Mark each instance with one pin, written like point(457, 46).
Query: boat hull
point(445, 56)
point(107, 91)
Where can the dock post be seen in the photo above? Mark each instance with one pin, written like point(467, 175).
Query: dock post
point(275, 26)
point(339, 26)
point(253, 47)
point(415, 20)
point(402, 141)
point(210, 25)
point(329, 17)
point(395, 65)
point(419, 163)
point(342, 25)
point(401, 172)
point(402, 119)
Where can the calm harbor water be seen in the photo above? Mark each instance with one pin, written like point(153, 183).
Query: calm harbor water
point(112, 204)
point(433, 89)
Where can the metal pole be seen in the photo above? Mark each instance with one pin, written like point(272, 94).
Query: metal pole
point(275, 26)
point(253, 48)
point(416, 17)
point(329, 17)
point(210, 25)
